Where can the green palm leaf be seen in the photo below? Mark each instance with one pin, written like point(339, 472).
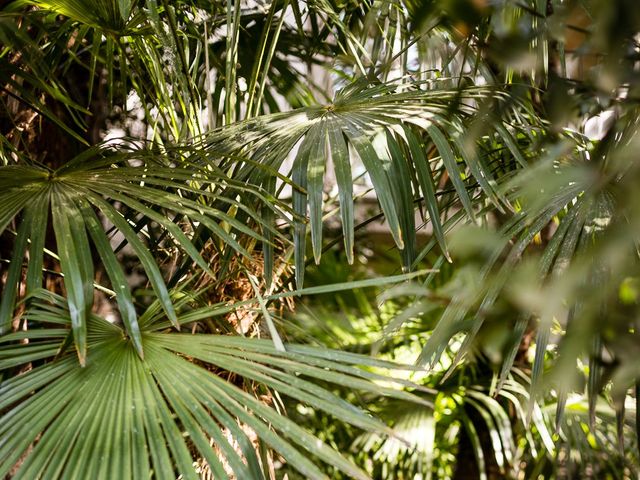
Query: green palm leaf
point(367, 122)
point(73, 197)
point(108, 15)
point(140, 417)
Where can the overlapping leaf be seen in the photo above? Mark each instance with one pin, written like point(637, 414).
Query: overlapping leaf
point(592, 248)
point(99, 186)
point(385, 127)
point(140, 417)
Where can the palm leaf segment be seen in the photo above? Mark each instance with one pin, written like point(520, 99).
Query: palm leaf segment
point(113, 16)
point(71, 199)
point(383, 126)
point(140, 418)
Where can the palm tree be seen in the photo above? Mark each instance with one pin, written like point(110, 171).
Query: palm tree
point(163, 163)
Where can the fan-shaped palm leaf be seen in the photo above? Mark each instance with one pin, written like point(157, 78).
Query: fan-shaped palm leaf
point(98, 181)
point(374, 123)
point(140, 417)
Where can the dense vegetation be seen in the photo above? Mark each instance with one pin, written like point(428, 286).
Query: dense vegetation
point(170, 170)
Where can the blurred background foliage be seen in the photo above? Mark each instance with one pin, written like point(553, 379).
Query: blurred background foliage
point(474, 428)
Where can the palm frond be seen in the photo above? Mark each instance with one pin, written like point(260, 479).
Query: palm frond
point(147, 415)
point(128, 190)
point(373, 123)
point(108, 15)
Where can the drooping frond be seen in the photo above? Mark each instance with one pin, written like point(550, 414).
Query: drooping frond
point(130, 191)
point(401, 134)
